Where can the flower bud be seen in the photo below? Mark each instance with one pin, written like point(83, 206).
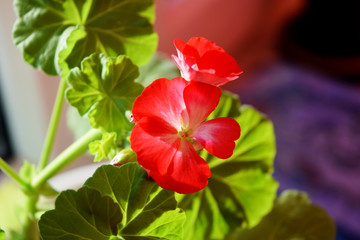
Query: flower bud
point(124, 156)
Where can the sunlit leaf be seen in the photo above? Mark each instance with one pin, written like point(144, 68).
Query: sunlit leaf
point(84, 214)
point(75, 29)
point(149, 211)
point(105, 148)
point(241, 189)
point(292, 217)
point(104, 88)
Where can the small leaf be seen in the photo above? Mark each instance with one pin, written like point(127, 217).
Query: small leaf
point(83, 213)
point(72, 30)
point(105, 148)
point(241, 189)
point(292, 217)
point(149, 211)
point(104, 88)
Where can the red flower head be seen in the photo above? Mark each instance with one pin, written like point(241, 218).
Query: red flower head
point(170, 128)
point(201, 60)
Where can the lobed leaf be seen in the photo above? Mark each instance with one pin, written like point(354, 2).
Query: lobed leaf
point(241, 189)
point(56, 35)
point(115, 203)
point(149, 212)
point(105, 148)
point(292, 217)
point(104, 88)
point(84, 214)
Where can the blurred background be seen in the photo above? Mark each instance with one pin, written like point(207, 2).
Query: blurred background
point(301, 62)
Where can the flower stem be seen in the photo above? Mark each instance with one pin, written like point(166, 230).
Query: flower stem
point(53, 125)
point(66, 157)
point(13, 175)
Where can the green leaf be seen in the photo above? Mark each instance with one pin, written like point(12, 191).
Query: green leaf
point(159, 66)
point(104, 88)
point(293, 217)
point(241, 189)
point(149, 212)
point(105, 148)
point(83, 213)
point(2, 234)
point(257, 141)
point(47, 30)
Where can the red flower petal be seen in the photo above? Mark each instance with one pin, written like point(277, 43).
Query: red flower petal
point(203, 45)
point(162, 99)
point(217, 136)
point(223, 64)
point(187, 173)
point(186, 49)
point(202, 60)
point(200, 100)
point(155, 143)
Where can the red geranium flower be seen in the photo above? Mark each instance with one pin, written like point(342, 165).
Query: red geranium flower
point(201, 60)
point(170, 128)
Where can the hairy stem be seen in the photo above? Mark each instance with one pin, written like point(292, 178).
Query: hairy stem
point(70, 154)
point(53, 125)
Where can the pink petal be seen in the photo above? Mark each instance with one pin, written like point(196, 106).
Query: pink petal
point(186, 71)
point(163, 99)
point(187, 173)
point(155, 143)
point(217, 136)
point(200, 100)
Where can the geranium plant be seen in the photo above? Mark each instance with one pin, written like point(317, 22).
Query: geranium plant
point(187, 160)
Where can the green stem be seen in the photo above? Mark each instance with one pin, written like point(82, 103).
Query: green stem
point(12, 174)
point(66, 157)
point(31, 222)
point(53, 125)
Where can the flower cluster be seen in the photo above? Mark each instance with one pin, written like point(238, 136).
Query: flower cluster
point(170, 118)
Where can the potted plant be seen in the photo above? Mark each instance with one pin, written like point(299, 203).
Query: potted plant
point(188, 160)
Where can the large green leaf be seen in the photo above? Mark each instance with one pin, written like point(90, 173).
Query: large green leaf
point(241, 189)
point(149, 212)
point(77, 28)
point(84, 214)
point(104, 88)
point(292, 218)
point(115, 203)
